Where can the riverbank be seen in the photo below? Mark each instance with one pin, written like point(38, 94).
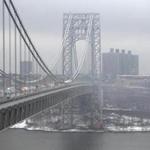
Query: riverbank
point(110, 128)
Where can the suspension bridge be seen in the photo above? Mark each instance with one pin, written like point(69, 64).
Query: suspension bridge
point(28, 86)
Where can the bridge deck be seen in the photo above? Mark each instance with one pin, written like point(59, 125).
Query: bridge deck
point(17, 110)
point(33, 96)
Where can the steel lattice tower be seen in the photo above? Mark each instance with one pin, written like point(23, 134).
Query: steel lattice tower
point(80, 26)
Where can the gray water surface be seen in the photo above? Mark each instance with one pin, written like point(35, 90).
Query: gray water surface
point(19, 139)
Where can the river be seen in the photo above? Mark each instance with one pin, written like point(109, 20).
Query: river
point(20, 139)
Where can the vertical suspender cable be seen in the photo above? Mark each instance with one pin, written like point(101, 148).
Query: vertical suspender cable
point(36, 72)
point(10, 73)
point(33, 69)
point(15, 47)
point(28, 70)
point(20, 49)
point(24, 66)
point(3, 24)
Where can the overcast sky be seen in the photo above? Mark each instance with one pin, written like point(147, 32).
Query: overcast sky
point(125, 24)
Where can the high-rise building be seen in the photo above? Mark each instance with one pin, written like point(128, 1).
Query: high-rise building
point(26, 67)
point(118, 62)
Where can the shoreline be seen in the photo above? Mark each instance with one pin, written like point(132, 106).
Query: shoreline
point(84, 131)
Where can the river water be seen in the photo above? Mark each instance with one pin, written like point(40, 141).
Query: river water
point(20, 139)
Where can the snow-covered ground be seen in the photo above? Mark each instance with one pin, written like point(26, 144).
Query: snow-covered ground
point(20, 125)
point(113, 123)
point(127, 129)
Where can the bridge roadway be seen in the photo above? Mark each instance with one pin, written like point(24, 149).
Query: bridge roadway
point(16, 110)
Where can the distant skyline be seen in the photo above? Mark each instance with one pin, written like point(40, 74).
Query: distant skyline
point(124, 25)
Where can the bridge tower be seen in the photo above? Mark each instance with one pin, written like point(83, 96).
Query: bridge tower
point(81, 26)
point(84, 26)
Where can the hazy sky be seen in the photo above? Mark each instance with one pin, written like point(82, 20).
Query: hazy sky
point(125, 24)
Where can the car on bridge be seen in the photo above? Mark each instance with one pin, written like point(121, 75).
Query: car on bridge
point(9, 92)
point(68, 81)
